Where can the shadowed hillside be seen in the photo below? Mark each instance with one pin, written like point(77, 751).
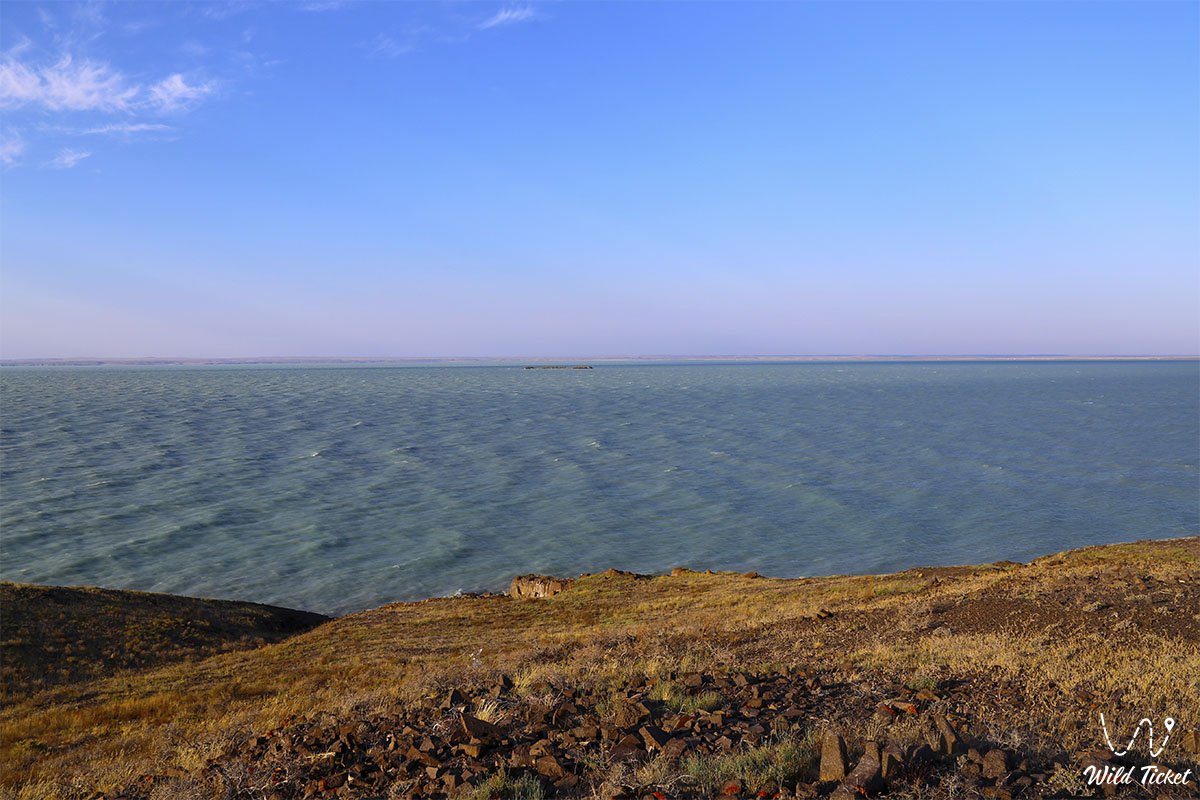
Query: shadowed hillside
point(52, 635)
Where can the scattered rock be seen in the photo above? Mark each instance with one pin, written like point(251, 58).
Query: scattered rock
point(559, 734)
point(950, 743)
point(628, 715)
point(481, 731)
point(995, 764)
point(654, 737)
point(550, 767)
point(865, 779)
point(525, 587)
point(833, 757)
point(890, 762)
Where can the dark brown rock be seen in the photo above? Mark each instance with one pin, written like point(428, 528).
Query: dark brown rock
point(628, 715)
point(890, 762)
point(586, 732)
point(481, 731)
point(995, 764)
point(550, 767)
point(520, 757)
point(654, 737)
point(526, 587)
point(674, 748)
point(921, 754)
point(866, 777)
point(833, 757)
point(627, 748)
point(420, 757)
point(566, 782)
point(949, 740)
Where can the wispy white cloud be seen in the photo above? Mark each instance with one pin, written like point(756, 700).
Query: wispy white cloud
point(387, 47)
point(20, 46)
point(323, 5)
point(66, 85)
point(225, 10)
point(67, 158)
point(124, 129)
point(173, 93)
point(11, 148)
point(507, 16)
point(137, 26)
point(60, 89)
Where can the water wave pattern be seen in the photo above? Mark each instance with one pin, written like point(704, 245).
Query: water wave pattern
point(343, 487)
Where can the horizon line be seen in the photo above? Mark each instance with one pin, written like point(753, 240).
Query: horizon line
point(149, 360)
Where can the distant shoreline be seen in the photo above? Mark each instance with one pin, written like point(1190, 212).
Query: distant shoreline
point(151, 361)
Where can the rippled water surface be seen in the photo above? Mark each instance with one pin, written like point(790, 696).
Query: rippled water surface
point(342, 487)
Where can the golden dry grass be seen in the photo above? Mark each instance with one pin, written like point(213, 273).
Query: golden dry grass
point(933, 624)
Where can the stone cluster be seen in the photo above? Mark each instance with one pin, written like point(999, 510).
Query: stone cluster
point(570, 740)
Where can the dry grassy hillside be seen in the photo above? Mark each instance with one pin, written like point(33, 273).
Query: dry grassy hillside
point(693, 684)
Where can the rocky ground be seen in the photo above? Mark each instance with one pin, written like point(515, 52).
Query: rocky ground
point(974, 682)
point(700, 735)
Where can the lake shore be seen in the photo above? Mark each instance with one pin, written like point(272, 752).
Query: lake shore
point(977, 681)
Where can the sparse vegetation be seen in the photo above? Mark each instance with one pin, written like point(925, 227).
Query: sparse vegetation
point(677, 698)
point(503, 786)
point(784, 760)
point(1033, 651)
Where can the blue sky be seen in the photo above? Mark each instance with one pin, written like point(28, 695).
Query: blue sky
point(401, 179)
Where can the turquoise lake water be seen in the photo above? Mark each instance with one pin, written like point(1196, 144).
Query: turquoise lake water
point(344, 487)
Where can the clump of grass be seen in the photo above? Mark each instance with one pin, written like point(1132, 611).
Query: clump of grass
point(704, 701)
point(488, 710)
point(656, 772)
point(922, 681)
point(676, 698)
point(504, 786)
point(1068, 780)
point(786, 760)
point(607, 704)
